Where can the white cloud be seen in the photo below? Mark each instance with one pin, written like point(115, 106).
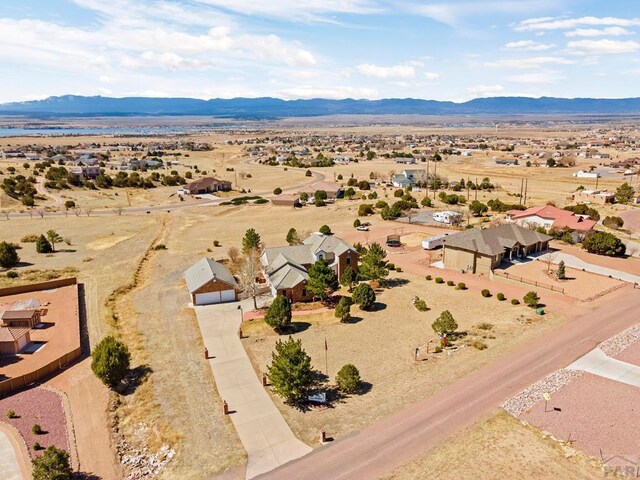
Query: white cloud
point(298, 9)
point(395, 71)
point(452, 14)
point(130, 39)
point(485, 90)
point(338, 92)
point(549, 23)
point(528, 45)
point(602, 47)
point(431, 75)
point(536, 78)
point(594, 32)
point(532, 62)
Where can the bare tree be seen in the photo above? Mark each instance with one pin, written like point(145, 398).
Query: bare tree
point(117, 210)
point(235, 260)
point(249, 273)
point(411, 213)
point(77, 212)
point(549, 259)
point(40, 212)
point(6, 214)
point(88, 211)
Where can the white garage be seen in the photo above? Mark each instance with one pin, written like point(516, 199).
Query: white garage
point(215, 297)
point(210, 282)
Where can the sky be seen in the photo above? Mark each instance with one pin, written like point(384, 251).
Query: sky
point(443, 50)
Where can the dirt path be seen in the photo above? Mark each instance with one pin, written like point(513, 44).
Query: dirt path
point(400, 437)
point(89, 401)
point(180, 399)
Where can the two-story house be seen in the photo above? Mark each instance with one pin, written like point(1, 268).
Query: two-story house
point(286, 268)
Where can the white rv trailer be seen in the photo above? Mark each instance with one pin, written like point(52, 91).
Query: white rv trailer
point(447, 217)
point(433, 242)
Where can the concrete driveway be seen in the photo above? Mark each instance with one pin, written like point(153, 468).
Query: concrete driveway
point(575, 262)
point(598, 363)
point(9, 466)
point(266, 437)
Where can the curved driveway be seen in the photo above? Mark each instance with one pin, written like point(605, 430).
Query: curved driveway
point(9, 466)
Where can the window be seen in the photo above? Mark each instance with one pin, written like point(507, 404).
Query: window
point(304, 292)
point(348, 260)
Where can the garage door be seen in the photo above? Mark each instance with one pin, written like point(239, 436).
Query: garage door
point(215, 297)
point(207, 298)
point(228, 296)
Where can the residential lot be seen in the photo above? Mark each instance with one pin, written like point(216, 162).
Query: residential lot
point(382, 345)
point(137, 292)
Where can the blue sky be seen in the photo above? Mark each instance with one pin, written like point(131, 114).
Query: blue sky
point(444, 50)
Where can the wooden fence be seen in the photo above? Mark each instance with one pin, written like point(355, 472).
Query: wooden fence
point(37, 287)
point(22, 381)
point(535, 283)
point(12, 384)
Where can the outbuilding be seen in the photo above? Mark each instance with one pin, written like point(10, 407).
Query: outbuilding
point(12, 340)
point(210, 282)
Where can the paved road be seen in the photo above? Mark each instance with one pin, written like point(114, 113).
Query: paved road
point(9, 466)
point(575, 262)
point(266, 437)
point(380, 448)
point(598, 363)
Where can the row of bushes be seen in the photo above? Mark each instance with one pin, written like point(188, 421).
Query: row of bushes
point(450, 283)
point(531, 299)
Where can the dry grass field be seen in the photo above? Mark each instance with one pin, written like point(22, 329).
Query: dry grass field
point(381, 345)
point(138, 293)
point(500, 447)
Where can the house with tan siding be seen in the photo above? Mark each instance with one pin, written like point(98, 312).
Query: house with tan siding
point(480, 251)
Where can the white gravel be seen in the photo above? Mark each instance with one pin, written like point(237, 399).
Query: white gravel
point(526, 399)
point(619, 343)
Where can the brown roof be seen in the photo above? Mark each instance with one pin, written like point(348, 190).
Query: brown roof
point(11, 334)
point(330, 188)
point(493, 241)
point(205, 183)
point(18, 314)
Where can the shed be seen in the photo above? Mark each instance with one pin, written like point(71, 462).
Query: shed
point(210, 282)
point(21, 318)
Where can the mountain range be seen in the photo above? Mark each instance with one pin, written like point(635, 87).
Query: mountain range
point(268, 107)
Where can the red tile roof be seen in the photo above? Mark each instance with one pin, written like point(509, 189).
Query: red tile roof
point(561, 218)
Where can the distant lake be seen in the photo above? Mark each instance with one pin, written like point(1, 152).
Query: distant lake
point(124, 131)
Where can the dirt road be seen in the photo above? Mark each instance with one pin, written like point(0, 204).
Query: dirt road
point(396, 439)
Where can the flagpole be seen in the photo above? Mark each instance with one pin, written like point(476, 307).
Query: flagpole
point(326, 358)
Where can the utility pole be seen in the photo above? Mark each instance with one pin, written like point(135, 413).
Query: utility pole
point(236, 175)
point(435, 174)
point(521, 190)
point(468, 186)
point(476, 193)
point(597, 178)
point(526, 187)
point(427, 192)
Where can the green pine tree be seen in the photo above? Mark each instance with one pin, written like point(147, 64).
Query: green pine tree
point(364, 296)
point(43, 245)
point(561, 273)
point(322, 280)
point(343, 309)
point(445, 324)
point(53, 464)
point(279, 314)
point(110, 361)
point(290, 372)
point(251, 240)
point(373, 265)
